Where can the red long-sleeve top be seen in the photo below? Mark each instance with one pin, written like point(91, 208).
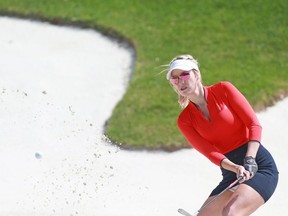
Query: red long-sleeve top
point(232, 122)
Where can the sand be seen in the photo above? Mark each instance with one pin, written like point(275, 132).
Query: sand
point(58, 87)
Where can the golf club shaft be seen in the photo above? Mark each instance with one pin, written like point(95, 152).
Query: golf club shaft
point(183, 212)
point(218, 195)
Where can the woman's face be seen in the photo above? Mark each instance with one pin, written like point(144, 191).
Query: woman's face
point(184, 81)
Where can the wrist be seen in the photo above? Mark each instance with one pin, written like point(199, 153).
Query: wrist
point(253, 147)
point(229, 165)
point(249, 157)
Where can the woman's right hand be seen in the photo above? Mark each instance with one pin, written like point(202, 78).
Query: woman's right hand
point(236, 168)
point(241, 171)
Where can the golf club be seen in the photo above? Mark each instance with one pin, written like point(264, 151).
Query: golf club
point(183, 212)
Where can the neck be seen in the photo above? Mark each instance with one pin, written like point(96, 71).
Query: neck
point(198, 96)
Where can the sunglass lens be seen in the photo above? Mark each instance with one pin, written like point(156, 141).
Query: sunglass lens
point(185, 76)
point(174, 80)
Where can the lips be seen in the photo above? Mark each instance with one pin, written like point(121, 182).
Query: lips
point(183, 88)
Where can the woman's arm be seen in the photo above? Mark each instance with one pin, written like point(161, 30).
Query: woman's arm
point(244, 111)
point(252, 150)
point(236, 168)
point(198, 142)
point(240, 170)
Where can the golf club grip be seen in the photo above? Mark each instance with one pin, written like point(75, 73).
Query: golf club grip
point(236, 181)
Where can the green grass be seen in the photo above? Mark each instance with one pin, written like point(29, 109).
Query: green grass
point(245, 42)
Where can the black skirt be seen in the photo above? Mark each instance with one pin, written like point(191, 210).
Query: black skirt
point(266, 178)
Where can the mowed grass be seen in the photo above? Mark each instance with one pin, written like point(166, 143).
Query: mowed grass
point(244, 42)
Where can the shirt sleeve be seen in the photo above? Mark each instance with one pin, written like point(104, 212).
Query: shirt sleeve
point(198, 142)
point(243, 110)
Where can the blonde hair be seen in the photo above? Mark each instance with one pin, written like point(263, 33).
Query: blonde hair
point(182, 100)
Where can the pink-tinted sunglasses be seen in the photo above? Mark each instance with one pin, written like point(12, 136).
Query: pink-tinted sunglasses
point(183, 76)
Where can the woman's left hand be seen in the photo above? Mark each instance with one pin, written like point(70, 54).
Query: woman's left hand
point(250, 165)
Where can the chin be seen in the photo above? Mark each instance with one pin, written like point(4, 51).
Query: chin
point(185, 92)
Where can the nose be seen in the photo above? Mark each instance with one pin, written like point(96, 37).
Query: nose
point(180, 80)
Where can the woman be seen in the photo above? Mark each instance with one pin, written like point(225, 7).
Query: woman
point(219, 122)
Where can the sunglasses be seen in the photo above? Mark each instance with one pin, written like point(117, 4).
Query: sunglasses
point(182, 76)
